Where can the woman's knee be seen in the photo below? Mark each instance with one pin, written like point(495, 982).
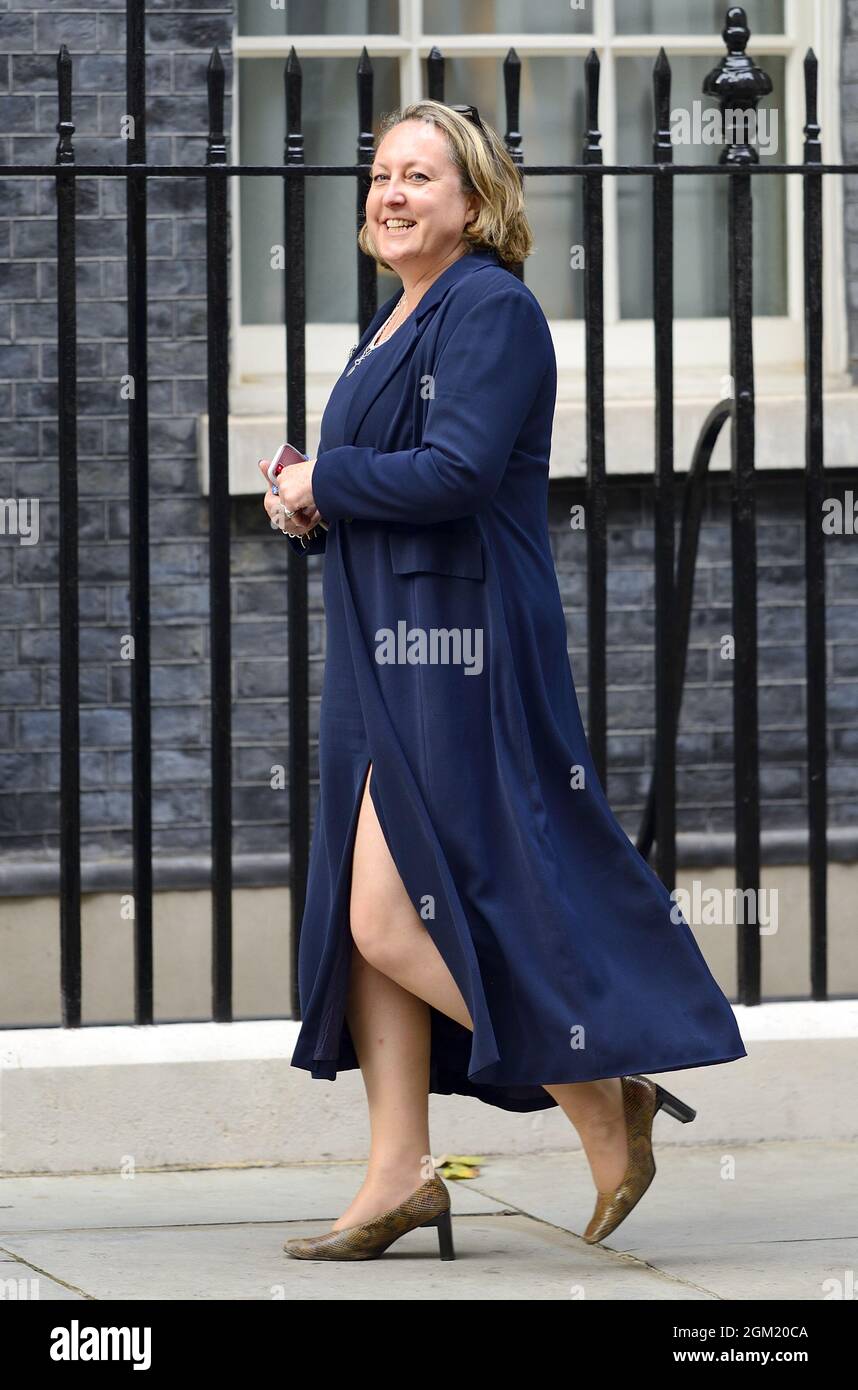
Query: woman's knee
point(378, 924)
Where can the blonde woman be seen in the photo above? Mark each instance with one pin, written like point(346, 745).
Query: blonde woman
point(477, 921)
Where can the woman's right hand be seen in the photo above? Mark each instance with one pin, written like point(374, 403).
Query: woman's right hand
point(299, 524)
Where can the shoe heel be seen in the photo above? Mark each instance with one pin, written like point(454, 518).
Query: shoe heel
point(445, 1234)
point(671, 1105)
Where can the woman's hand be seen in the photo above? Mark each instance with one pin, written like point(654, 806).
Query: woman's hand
point(294, 491)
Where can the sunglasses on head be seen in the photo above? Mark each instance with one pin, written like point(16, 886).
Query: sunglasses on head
point(470, 113)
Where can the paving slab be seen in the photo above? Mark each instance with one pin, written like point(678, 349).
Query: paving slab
point(765, 1221)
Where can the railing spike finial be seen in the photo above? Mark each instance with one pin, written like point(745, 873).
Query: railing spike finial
point(661, 84)
point(512, 95)
point(736, 31)
point(435, 74)
point(738, 84)
point(215, 77)
point(592, 135)
point(293, 81)
point(365, 79)
point(812, 129)
point(65, 125)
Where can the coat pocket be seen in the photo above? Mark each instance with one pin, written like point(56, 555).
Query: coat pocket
point(423, 550)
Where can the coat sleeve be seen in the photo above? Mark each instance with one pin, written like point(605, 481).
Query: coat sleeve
point(486, 379)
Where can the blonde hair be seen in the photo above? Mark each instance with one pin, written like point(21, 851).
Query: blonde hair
point(485, 167)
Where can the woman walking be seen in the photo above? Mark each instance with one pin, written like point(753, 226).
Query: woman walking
point(477, 921)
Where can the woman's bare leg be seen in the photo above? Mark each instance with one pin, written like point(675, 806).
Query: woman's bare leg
point(595, 1108)
point(390, 1031)
point(387, 928)
point(396, 972)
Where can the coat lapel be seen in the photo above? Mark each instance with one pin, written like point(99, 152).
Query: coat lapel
point(370, 386)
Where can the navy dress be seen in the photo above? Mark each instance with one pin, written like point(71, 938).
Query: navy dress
point(447, 669)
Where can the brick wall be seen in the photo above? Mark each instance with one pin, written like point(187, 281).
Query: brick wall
point(179, 42)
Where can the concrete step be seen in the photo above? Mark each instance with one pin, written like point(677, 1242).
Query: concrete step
point(93, 1099)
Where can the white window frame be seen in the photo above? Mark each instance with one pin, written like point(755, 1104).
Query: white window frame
point(700, 345)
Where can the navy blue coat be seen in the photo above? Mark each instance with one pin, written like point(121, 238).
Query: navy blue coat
point(447, 668)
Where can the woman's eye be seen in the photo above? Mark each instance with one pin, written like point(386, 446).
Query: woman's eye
point(416, 172)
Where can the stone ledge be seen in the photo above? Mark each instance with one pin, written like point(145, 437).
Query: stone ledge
point(629, 431)
point(35, 878)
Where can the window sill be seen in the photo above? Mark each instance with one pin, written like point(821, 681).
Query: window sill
point(257, 423)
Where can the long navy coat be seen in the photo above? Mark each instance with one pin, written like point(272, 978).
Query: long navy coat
point(433, 475)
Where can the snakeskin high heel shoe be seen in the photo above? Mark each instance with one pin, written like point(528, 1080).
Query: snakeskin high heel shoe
point(428, 1206)
point(641, 1099)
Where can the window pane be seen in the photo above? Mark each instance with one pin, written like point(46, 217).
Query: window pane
point(318, 17)
point(697, 17)
point(330, 137)
point(509, 17)
point(552, 120)
point(700, 203)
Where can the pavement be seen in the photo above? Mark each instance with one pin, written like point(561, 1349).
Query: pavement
point(775, 1220)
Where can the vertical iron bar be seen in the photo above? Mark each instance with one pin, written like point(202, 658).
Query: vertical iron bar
point(738, 84)
point(744, 559)
point(295, 314)
point(138, 465)
point(70, 966)
point(597, 502)
point(367, 271)
point(817, 718)
point(512, 136)
point(220, 629)
point(666, 710)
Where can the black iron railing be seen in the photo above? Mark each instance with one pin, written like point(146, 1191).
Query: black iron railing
point(736, 82)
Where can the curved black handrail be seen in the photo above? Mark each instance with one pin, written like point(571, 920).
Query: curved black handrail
point(692, 510)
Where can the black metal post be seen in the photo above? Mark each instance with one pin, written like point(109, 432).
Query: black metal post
point(295, 313)
point(220, 630)
point(817, 713)
point(138, 493)
point(666, 717)
point(597, 501)
point(70, 971)
point(739, 84)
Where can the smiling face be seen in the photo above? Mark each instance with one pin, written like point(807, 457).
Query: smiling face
point(416, 210)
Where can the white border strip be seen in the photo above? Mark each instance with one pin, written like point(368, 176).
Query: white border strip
point(123, 1045)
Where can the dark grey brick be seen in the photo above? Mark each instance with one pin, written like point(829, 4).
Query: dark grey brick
point(17, 32)
point(93, 686)
point(181, 681)
point(19, 687)
point(181, 724)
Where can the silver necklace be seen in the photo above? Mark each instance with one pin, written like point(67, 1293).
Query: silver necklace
point(376, 341)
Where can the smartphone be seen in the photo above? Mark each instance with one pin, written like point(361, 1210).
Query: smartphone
point(286, 454)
